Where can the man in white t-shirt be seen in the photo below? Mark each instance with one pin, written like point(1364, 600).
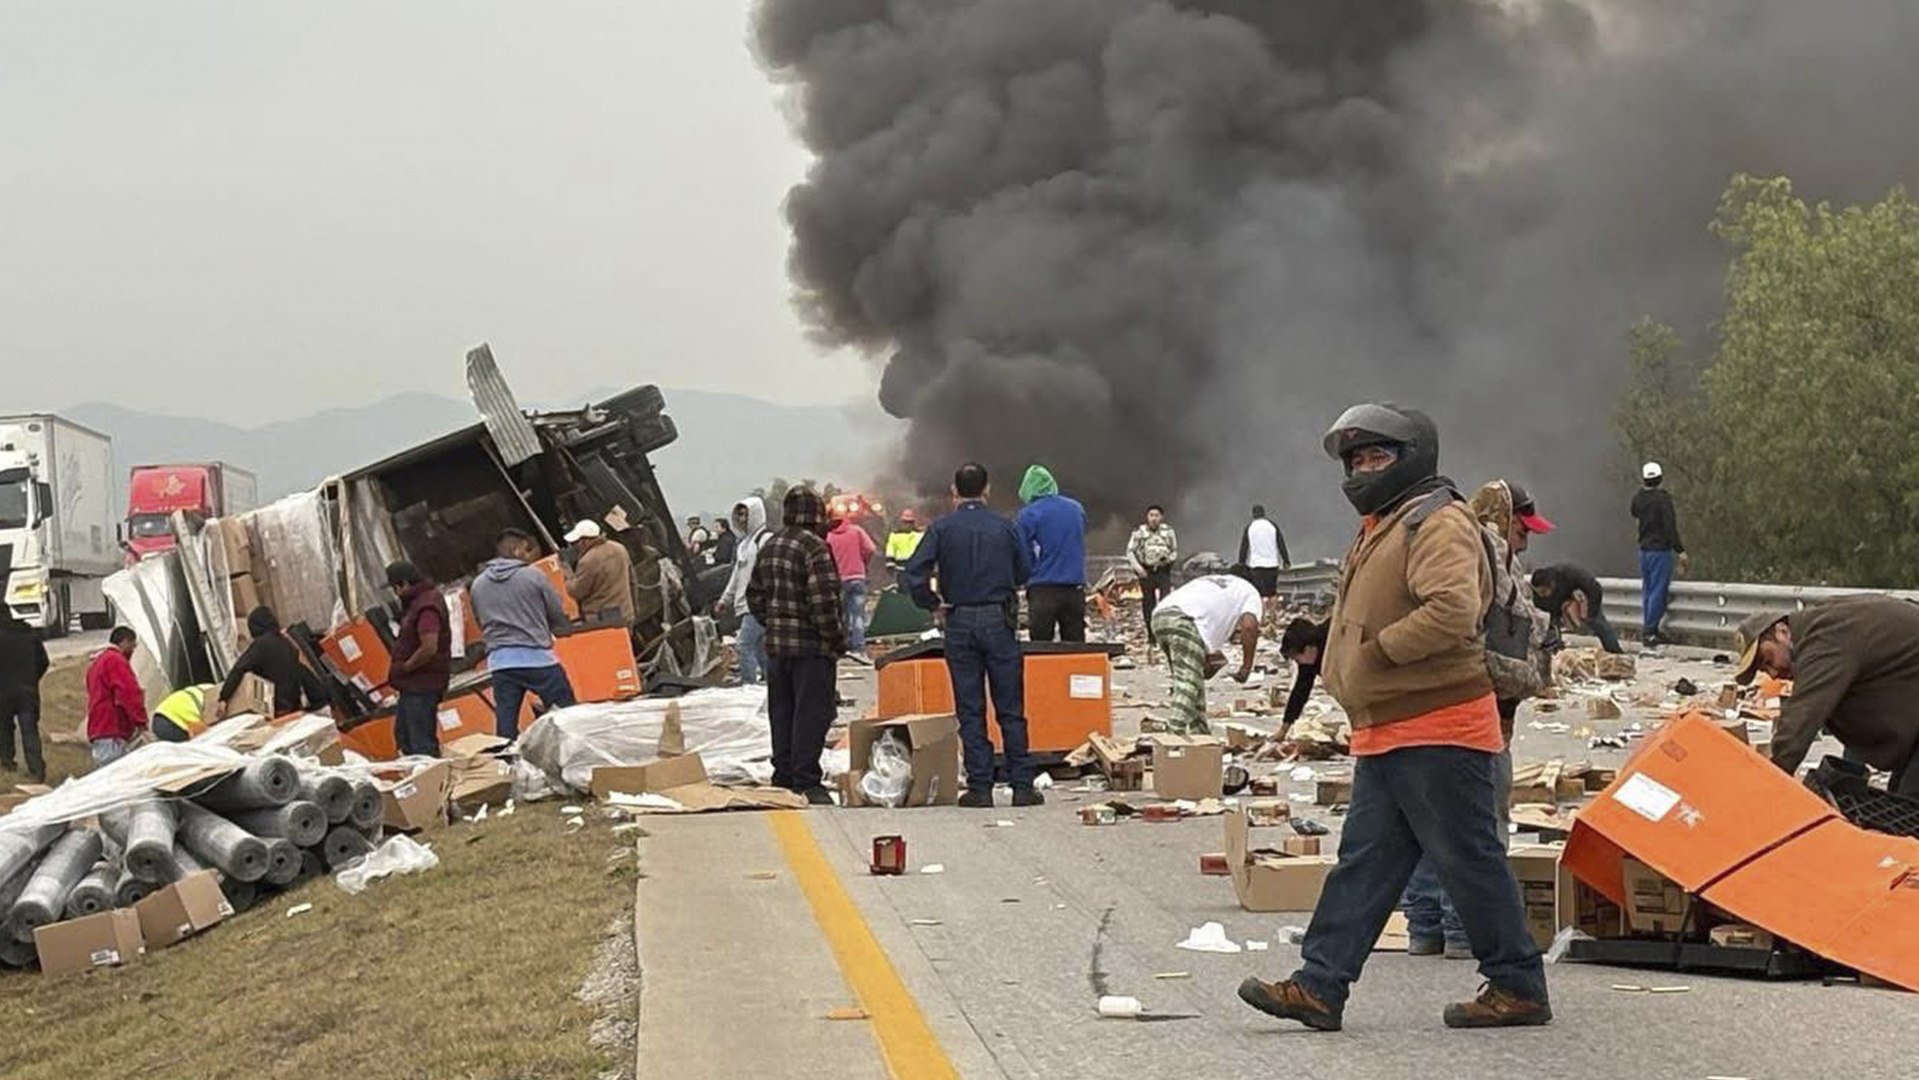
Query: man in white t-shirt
point(1193, 625)
point(1262, 551)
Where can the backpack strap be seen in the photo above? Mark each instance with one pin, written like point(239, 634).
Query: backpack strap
point(1431, 504)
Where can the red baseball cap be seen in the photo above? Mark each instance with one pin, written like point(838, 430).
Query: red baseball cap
point(1526, 512)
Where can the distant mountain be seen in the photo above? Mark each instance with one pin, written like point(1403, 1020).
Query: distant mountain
point(728, 445)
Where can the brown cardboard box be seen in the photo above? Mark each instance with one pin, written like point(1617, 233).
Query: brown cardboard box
point(91, 941)
point(654, 776)
point(1536, 868)
point(1587, 910)
point(1599, 779)
point(1262, 812)
point(1300, 845)
point(1269, 880)
point(1333, 791)
point(1119, 761)
point(418, 802)
point(1741, 936)
point(246, 597)
point(1653, 904)
point(238, 542)
point(253, 695)
point(1188, 766)
point(182, 909)
point(932, 740)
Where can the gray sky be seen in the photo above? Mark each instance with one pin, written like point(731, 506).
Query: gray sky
point(251, 211)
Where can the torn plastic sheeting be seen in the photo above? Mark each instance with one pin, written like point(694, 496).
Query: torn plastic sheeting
point(370, 544)
point(151, 598)
point(727, 727)
point(400, 854)
point(120, 783)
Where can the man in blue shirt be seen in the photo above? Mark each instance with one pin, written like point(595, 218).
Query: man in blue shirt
point(1053, 528)
point(519, 611)
point(981, 563)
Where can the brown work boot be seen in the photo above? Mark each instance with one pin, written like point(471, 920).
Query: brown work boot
point(1288, 1001)
point(1498, 1008)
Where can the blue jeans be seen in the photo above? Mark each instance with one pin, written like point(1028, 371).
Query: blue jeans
point(980, 646)
point(1430, 915)
point(1655, 581)
point(751, 645)
point(853, 603)
point(1423, 800)
point(510, 686)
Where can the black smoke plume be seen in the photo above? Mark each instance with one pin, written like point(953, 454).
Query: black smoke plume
point(1158, 246)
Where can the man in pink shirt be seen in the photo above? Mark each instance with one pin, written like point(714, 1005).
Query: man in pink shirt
point(852, 549)
point(116, 706)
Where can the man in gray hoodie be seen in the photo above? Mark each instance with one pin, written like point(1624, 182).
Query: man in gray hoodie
point(749, 522)
point(519, 612)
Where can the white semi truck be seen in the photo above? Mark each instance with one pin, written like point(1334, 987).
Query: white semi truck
point(57, 539)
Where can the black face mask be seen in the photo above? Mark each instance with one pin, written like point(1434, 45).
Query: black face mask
point(1408, 432)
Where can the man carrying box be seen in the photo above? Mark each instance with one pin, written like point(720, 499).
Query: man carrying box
point(519, 612)
point(1192, 625)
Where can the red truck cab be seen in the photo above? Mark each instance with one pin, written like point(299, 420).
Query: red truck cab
point(156, 492)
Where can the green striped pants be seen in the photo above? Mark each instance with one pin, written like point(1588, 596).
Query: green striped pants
point(1179, 639)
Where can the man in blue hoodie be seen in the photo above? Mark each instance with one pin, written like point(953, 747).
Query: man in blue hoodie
point(1053, 528)
point(519, 612)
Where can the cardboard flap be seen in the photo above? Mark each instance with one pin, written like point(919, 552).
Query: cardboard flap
point(1693, 804)
point(672, 732)
point(1238, 847)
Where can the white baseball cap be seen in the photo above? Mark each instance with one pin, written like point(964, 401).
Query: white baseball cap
point(1651, 471)
point(583, 530)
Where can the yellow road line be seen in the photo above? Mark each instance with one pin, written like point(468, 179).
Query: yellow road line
point(906, 1042)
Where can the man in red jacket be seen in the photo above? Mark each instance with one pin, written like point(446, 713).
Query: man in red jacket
point(116, 706)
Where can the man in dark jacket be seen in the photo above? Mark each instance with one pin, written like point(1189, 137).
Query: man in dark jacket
point(23, 660)
point(1660, 549)
point(980, 563)
point(794, 592)
point(1571, 594)
point(1053, 527)
point(272, 657)
point(422, 660)
point(1303, 642)
point(1854, 666)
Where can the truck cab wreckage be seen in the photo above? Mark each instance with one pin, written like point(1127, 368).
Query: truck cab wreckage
point(319, 558)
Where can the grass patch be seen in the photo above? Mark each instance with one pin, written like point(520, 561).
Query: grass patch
point(63, 709)
point(469, 970)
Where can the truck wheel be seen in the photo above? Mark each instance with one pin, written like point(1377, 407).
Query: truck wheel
point(656, 434)
point(640, 403)
point(57, 623)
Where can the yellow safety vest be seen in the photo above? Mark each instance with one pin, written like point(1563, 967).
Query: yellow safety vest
point(900, 546)
point(186, 708)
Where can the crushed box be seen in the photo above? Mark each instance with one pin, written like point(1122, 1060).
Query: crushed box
point(417, 802)
point(104, 940)
point(1188, 766)
point(1267, 880)
point(182, 909)
point(932, 741)
point(1653, 903)
point(654, 776)
point(1536, 868)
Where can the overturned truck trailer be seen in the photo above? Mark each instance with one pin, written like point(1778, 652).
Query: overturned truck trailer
point(320, 558)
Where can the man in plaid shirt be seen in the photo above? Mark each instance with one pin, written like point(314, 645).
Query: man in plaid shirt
point(795, 595)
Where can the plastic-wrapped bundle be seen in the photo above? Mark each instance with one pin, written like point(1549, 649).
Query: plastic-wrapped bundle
point(220, 843)
point(94, 894)
point(144, 832)
point(343, 845)
point(283, 862)
point(44, 900)
point(333, 793)
point(299, 821)
point(129, 890)
point(367, 808)
point(260, 784)
point(19, 847)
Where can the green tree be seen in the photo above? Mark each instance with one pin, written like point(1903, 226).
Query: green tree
point(1803, 454)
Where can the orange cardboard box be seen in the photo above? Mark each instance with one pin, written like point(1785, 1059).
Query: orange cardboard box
point(599, 663)
point(1069, 696)
point(360, 653)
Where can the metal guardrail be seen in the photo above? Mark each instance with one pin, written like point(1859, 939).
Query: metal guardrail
point(1707, 612)
point(1703, 613)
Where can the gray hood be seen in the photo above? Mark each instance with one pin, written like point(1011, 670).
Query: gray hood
point(501, 569)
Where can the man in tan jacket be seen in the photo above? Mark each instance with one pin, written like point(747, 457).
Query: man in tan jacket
point(602, 579)
point(1405, 656)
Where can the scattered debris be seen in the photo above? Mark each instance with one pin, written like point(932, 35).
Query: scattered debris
point(847, 1012)
point(933, 868)
point(1173, 975)
point(299, 909)
point(1114, 1007)
point(1209, 938)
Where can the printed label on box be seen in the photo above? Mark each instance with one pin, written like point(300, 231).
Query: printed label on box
point(449, 719)
point(1086, 686)
point(1646, 797)
point(102, 957)
point(406, 790)
point(363, 682)
point(350, 648)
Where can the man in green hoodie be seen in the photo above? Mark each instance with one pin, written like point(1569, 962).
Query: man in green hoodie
point(1053, 528)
